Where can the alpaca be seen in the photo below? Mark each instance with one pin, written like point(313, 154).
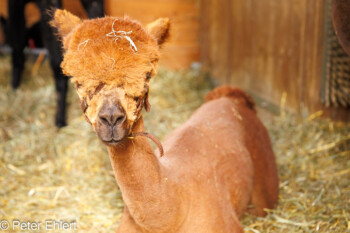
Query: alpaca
point(214, 165)
point(17, 39)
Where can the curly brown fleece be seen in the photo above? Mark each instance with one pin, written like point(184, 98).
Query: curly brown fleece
point(92, 56)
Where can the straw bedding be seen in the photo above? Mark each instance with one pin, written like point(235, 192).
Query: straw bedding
point(65, 174)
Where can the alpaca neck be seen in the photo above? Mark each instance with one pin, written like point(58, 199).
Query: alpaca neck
point(145, 188)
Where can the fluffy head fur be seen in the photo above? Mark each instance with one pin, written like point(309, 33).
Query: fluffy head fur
point(235, 93)
point(116, 52)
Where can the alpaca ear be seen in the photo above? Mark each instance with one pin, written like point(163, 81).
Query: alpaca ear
point(159, 30)
point(65, 22)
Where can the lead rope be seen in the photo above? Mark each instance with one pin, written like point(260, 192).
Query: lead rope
point(146, 134)
point(150, 136)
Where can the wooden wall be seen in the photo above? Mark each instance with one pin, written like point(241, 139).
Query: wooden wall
point(268, 47)
point(182, 48)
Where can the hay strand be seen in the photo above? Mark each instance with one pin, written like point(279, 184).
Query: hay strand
point(120, 35)
point(47, 173)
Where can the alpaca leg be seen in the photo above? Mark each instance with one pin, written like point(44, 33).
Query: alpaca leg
point(17, 39)
point(264, 195)
point(55, 52)
point(258, 203)
point(61, 82)
point(265, 190)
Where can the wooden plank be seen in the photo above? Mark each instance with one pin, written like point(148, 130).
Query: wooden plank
point(215, 37)
point(32, 14)
point(3, 12)
point(75, 7)
point(183, 46)
point(3, 8)
point(268, 47)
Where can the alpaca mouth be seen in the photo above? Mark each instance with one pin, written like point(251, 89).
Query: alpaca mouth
point(112, 138)
point(112, 142)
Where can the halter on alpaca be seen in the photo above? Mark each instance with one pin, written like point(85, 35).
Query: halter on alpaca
point(142, 102)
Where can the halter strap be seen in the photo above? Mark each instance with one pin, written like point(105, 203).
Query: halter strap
point(150, 136)
point(144, 103)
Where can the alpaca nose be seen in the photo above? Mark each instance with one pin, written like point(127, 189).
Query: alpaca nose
point(112, 115)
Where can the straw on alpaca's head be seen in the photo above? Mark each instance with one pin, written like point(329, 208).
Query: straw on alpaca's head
point(111, 61)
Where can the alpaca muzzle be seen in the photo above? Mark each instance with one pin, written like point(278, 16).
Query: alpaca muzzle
point(112, 124)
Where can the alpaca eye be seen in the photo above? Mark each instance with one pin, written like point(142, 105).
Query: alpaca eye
point(148, 76)
point(138, 102)
point(83, 104)
point(99, 88)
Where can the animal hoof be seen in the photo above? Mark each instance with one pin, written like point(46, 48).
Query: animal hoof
point(16, 78)
point(60, 123)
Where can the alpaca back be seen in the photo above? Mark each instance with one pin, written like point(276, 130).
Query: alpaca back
point(234, 93)
point(225, 140)
point(257, 142)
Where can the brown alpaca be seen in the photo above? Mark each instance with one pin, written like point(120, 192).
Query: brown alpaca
point(215, 164)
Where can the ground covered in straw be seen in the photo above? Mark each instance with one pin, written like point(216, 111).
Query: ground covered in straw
point(65, 174)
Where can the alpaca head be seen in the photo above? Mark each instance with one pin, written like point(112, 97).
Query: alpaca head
point(110, 61)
